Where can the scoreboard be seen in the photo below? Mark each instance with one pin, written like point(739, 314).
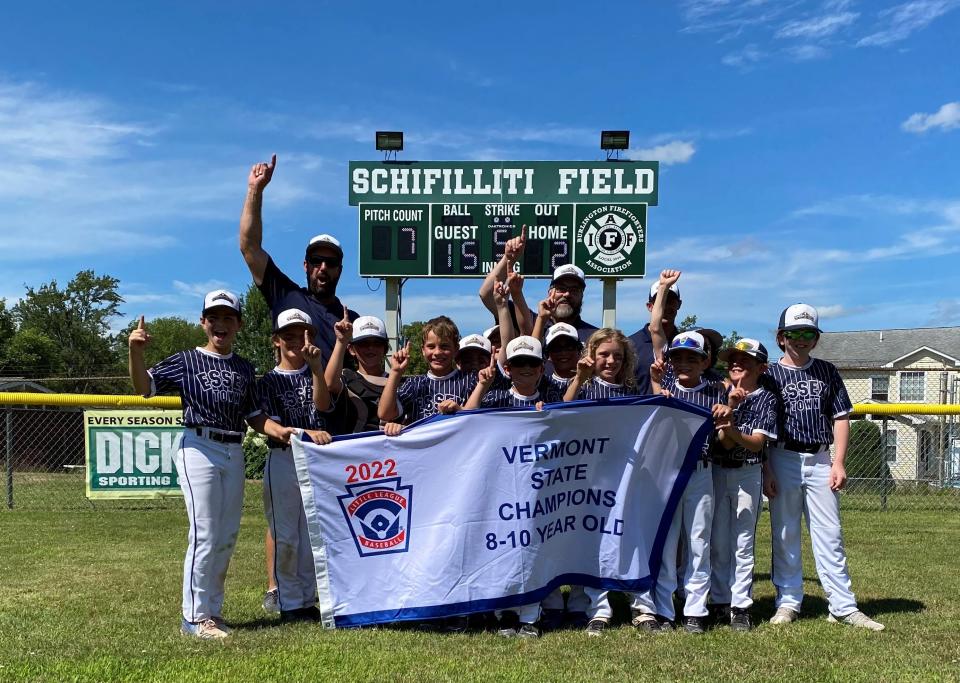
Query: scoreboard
point(401, 237)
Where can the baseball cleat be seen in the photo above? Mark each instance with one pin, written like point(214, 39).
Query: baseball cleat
point(857, 619)
point(740, 620)
point(646, 623)
point(694, 625)
point(205, 630)
point(528, 631)
point(784, 615)
point(596, 627)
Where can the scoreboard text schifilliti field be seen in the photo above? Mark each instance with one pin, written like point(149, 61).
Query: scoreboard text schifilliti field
point(453, 219)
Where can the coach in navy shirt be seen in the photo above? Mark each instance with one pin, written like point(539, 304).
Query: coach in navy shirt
point(642, 341)
point(322, 264)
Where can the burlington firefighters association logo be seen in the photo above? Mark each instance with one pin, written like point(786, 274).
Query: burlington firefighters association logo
point(610, 234)
point(378, 514)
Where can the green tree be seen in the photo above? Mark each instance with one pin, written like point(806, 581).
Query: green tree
point(29, 353)
point(167, 337)
point(413, 333)
point(7, 325)
point(687, 324)
point(865, 457)
point(77, 320)
point(254, 340)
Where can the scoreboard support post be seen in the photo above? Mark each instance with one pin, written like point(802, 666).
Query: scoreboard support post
point(610, 302)
point(392, 309)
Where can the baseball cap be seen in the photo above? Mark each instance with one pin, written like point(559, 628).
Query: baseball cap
point(751, 347)
point(654, 288)
point(475, 341)
point(688, 341)
point(221, 297)
point(325, 240)
point(490, 330)
point(568, 270)
point(367, 326)
point(293, 316)
point(561, 330)
point(524, 346)
point(799, 317)
point(713, 338)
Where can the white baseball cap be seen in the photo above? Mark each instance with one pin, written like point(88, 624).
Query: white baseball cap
point(688, 341)
point(221, 297)
point(655, 287)
point(368, 326)
point(524, 346)
point(561, 330)
point(293, 316)
point(475, 341)
point(751, 347)
point(799, 317)
point(325, 240)
point(490, 330)
point(568, 270)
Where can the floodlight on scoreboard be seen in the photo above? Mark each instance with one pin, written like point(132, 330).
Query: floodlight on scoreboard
point(389, 141)
point(614, 139)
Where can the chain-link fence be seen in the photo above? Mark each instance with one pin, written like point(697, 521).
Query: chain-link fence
point(895, 461)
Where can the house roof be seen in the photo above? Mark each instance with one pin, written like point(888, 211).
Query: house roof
point(879, 348)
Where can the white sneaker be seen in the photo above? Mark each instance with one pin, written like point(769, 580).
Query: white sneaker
point(858, 619)
point(784, 615)
point(205, 630)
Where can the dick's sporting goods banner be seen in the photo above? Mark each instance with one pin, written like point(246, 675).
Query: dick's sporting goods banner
point(494, 509)
point(130, 453)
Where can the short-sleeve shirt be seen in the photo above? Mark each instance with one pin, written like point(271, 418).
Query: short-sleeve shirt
point(705, 395)
point(282, 293)
point(218, 391)
point(287, 397)
point(553, 388)
point(508, 398)
point(756, 414)
point(643, 343)
point(419, 395)
point(596, 388)
point(811, 398)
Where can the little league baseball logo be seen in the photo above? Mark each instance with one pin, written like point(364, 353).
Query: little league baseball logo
point(378, 514)
point(610, 234)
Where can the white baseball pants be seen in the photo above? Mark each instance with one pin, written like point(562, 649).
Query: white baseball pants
point(293, 554)
point(693, 521)
point(528, 614)
point(736, 507)
point(211, 478)
point(803, 484)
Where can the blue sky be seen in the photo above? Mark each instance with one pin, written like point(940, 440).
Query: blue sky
point(808, 149)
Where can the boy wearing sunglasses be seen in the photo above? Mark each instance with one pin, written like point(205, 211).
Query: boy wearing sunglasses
point(801, 479)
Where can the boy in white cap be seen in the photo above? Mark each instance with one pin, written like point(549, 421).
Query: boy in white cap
point(688, 359)
point(366, 340)
point(474, 353)
point(802, 479)
point(737, 456)
point(219, 394)
point(294, 394)
point(643, 339)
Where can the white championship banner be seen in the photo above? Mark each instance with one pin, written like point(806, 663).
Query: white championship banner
point(494, 509)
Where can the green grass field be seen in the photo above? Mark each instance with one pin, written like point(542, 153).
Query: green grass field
point(94, 596)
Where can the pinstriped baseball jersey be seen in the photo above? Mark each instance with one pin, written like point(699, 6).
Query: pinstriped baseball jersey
point(705, 394)
point(553, 388)
point(508, 398)
point(756, 414)
point(812, 396)
point(217, 391)
point(595, 388)
point(287, 397)
point(419, 395)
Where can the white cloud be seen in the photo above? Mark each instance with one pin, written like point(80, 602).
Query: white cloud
point(806, 53)
point(675, 152)
point(198, 289)
point(946, 312)
point(744, 58)
point(946, 117)
point(817, 27)
point(905, 19)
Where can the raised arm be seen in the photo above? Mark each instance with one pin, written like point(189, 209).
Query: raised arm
point(484, 380)
point(334, 372)
point(387, 408)
point(584, 372)
point(657, 335)
point(314, 357)
point(251, 220)
point(507, 333)
point(545, 310)
point(511, 254)
point(138, 341)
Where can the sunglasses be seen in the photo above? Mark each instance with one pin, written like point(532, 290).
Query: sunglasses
point(328, 261)
point(568, 289)
point(806, 335)
point(525, 362)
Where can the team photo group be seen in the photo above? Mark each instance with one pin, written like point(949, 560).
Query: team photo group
point(773, 421)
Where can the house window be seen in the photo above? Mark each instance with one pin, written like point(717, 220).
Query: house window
point(911, 387)
point(890, 446)
point(880, 388)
